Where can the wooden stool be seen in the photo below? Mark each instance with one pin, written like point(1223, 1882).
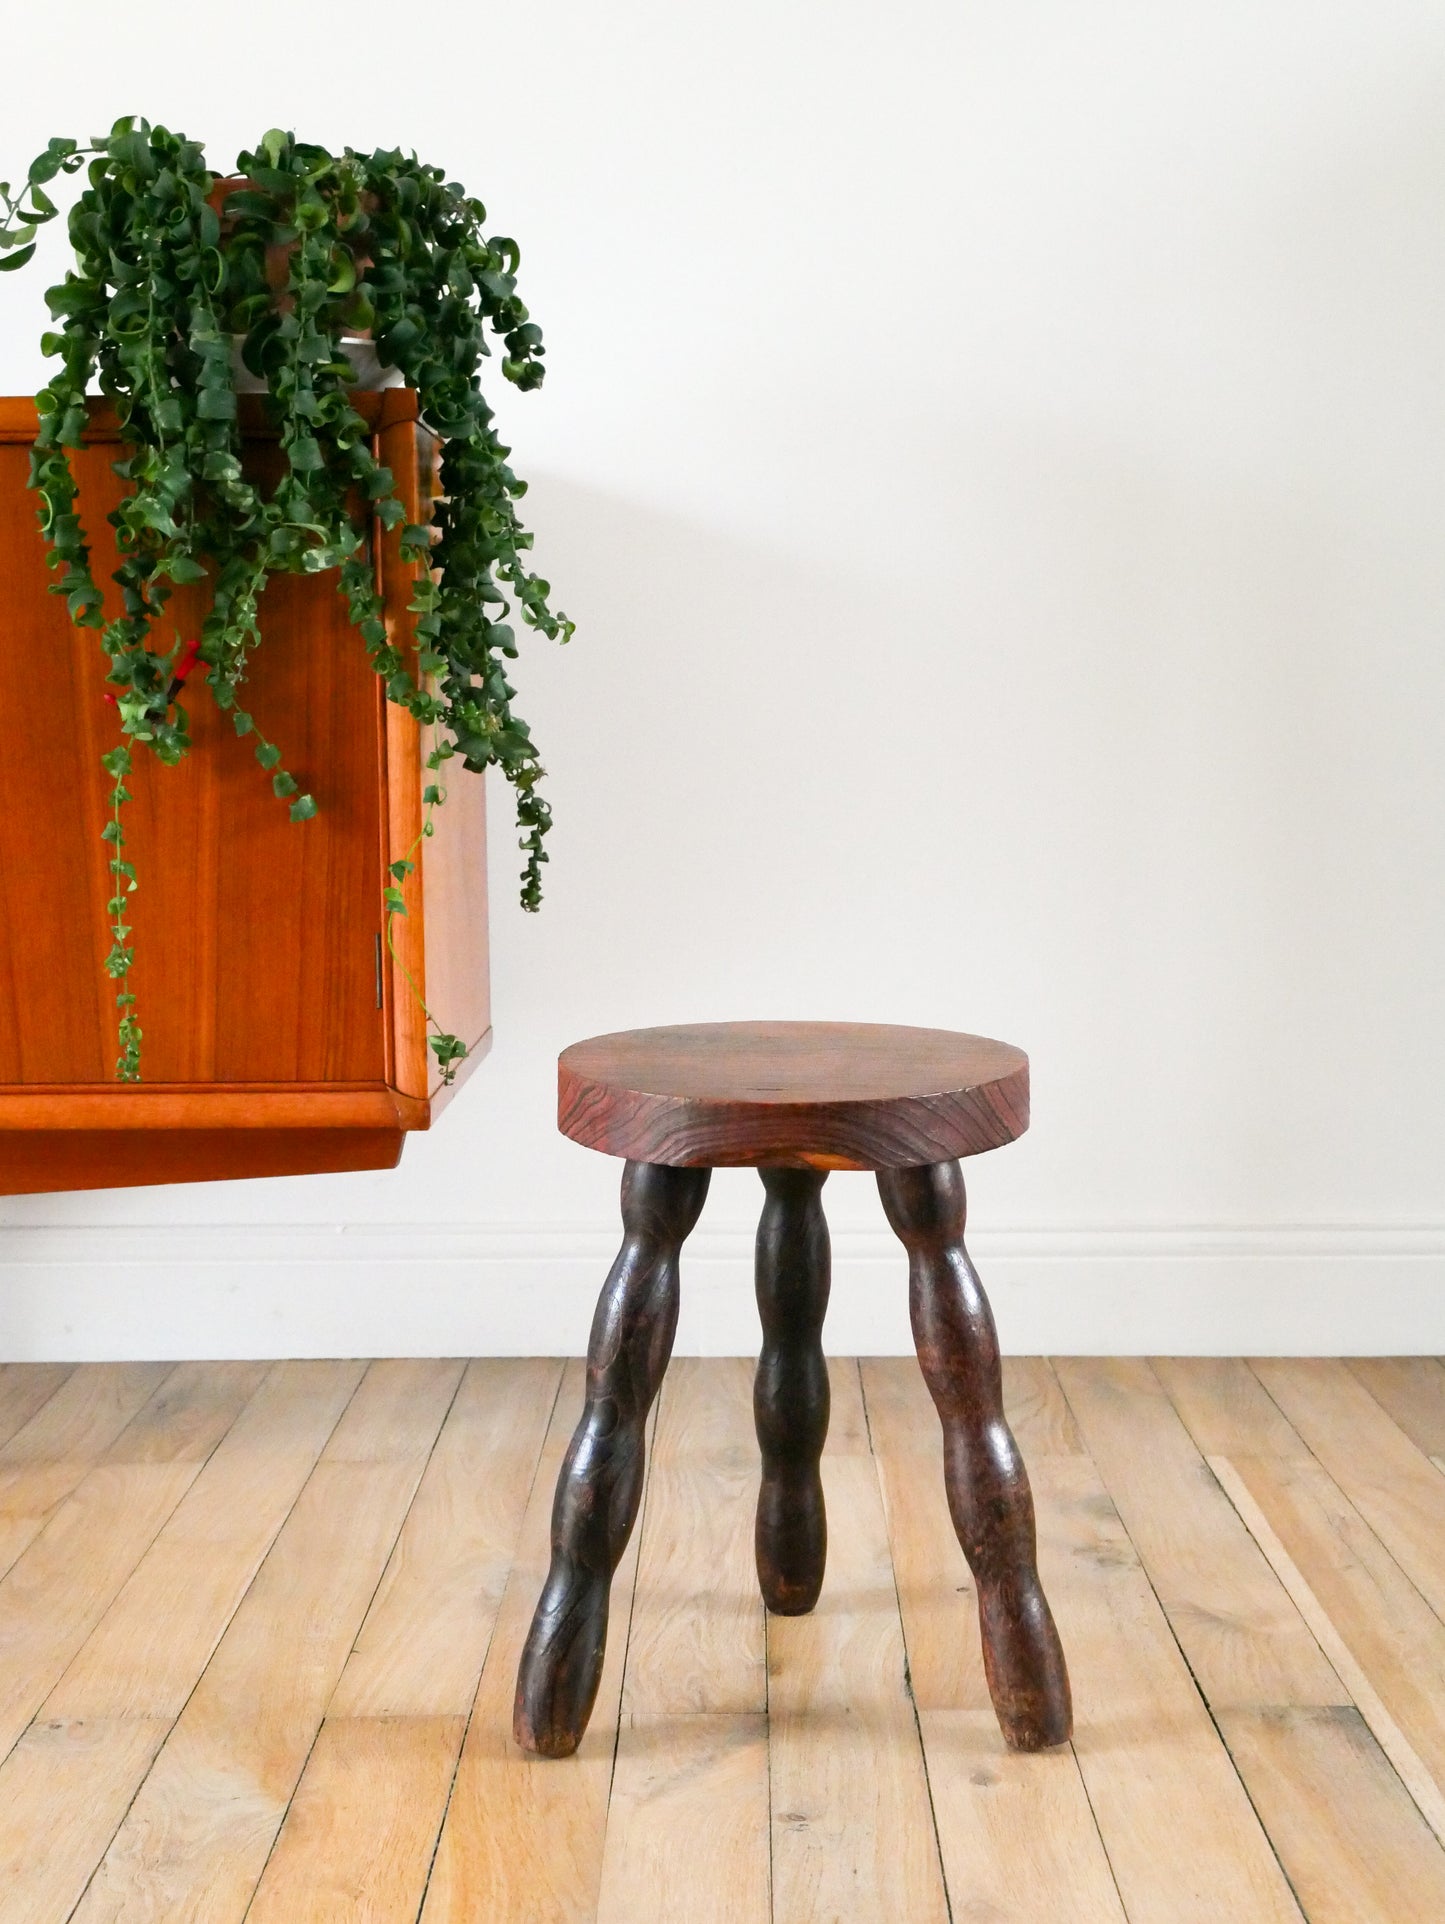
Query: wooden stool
point(793, 1100)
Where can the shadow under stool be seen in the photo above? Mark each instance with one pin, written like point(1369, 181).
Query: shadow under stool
point(793, 1100)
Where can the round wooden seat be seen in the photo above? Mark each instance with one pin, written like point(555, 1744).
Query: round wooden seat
point(794, 1095)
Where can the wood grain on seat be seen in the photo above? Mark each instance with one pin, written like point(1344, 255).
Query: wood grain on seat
point(814, 1095)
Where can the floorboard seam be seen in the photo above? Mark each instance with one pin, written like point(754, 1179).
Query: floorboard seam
point(1183, 1653)
point(10, 1435)
point(1325, 1471)
point(140, 1559)
point(1403, 1758)
point(94, 1463)
point(1073, 1747)
point(907, 1662)
point(1380, 1402)
point(145, 1775)
point(351, 1649)
point(487, 1650)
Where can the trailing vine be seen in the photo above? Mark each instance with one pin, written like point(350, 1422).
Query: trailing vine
point(295, 252)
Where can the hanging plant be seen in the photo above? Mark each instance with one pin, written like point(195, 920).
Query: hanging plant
point(179, 275)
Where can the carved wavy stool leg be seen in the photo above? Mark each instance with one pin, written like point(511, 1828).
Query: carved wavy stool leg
point(601, 1481)
point(790, 1391)
point(988, 1490)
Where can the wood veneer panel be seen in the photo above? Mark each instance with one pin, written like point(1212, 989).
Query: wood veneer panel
point(255, 956)
point(442, 939)
point(42, 1161)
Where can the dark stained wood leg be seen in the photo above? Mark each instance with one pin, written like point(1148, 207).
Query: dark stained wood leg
point(988, 1489)
point(600, 1485)
point(790, 1391)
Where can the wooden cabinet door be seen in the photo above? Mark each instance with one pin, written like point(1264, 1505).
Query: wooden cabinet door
point(255, 938)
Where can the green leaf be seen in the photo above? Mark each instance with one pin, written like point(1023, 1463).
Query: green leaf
point(302, 809)
point(184, 568)
point(393, 901)
point(267, 754)
point(242, 722)
point(449, 1050)
point(10, 262)
point(283, 785)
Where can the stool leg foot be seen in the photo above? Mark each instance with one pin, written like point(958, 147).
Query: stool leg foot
point(790, 1391)
point(988, 1489)
point(600, 1485)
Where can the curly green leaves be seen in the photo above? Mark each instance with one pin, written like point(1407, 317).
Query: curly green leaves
point(168, 275)
point(117, 765)
point(32, 207)
point(449, 1050)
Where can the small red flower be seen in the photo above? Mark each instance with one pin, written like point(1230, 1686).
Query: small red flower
point(183, 667)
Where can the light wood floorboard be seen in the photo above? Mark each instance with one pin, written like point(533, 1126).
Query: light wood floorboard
point(195, 1841)
point(524, 1836)
point(1242, 1637)
point(69, 1432)
point(1412, 1390)
point(24, 1389)
point(259, 1628)
point(1394, 1485)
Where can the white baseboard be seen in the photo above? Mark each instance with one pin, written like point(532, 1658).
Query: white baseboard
point(237, 1290)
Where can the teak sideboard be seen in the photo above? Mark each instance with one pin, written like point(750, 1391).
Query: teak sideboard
point(279, 1035)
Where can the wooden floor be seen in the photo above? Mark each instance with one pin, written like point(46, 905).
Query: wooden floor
point(259, 1626)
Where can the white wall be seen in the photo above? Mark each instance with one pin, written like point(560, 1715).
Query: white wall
point(996, 457)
